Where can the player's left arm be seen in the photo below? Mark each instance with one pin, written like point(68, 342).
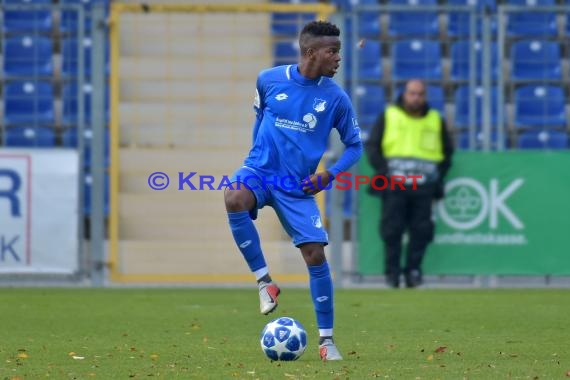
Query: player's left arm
point(347, 125)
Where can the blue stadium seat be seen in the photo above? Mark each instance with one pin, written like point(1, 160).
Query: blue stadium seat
point(370, 57)
point(461, 100)
point(458, 25)
point(371, 102)
point(37, 137)
point(88, 180)
point(416, 59)
point(532, 23)
point(70, 66)
point(464, 141)
point(413, 24)
point(435, 97)
point(27, 21)
point(460, 60)
point(28, 56)
point(70, 140)
point(290, 24)
point(536, 60)
point(540, 106)
point(543, 140)
point(29, 103)
point(370, 60)
point(70, 20)
point(70, 104)
point(286, 52)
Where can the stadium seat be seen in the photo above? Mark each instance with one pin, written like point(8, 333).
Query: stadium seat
point(543, 140)
point(37, 137)
point(423, 24)
point(88, 180)
point(461, 100)
point(28, 103)
point(370, 56)
point(290, 24)
point(435, 97)
point(458, 24)
point(370, 60)
point(70, 140)
point(413, 24)
point(479, 137)
point(70, 104)
point(540, 106)
point(27, 21)
point(70, 20)
point(28, 56)
point(460, 60)
point(371, 102)
point(416, 59)
point(285, 52)
point(70, 57)
point(536, 60)
point(531, 23)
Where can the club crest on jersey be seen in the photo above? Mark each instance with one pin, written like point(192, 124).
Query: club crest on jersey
point(319, 105)
point(316, 221)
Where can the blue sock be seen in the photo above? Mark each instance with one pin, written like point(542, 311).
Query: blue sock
point(322, 294)
point(247, 239)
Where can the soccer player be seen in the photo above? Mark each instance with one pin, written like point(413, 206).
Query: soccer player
point(296, 108)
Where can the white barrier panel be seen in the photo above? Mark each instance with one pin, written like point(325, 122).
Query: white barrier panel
point(39, 211)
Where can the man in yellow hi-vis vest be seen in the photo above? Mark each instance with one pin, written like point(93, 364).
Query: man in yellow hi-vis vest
point(409, 139)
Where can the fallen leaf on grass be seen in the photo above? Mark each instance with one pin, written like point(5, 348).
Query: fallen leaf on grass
point(440, 350)
point(154, 356)
point(23, 355)
point(352, 353)
point(78, 357)
point(71, 353)
point(567, 373)
point(430, 357)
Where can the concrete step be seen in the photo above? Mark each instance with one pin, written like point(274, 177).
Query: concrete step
point(203, 257)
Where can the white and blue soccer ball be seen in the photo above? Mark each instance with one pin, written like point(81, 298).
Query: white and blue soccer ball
point(284, 339)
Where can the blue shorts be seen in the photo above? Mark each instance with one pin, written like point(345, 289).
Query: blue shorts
point(299, 216)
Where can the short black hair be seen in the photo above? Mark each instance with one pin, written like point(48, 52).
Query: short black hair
point(321, 28)
point(316, 29)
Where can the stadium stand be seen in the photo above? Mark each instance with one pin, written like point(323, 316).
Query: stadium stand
point(458, 22)
point(413, 24)
point(543, 140)
point(37, 137)
point(28, 56)
point(539, 106)
point(371, 100)
point(29, 103)
point(37, 21)
point(461, 100)
point(417, 59)
point(460, 60)
point(532, 23)
point(536, 60)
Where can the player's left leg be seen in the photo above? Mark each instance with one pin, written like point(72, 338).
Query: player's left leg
point(301, 219)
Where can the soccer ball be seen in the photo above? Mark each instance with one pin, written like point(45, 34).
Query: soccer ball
point(284, 339)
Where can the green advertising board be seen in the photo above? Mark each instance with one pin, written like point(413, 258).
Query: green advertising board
point(504, 213)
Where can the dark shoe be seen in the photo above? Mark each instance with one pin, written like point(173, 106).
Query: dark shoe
point(414, 279)
point(393, 281)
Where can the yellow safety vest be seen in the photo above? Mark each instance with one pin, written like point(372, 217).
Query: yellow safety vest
point(408, 137)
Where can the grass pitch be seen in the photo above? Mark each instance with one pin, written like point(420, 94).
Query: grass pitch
point(214, 334)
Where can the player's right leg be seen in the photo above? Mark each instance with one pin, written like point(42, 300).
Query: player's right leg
point(242, 199)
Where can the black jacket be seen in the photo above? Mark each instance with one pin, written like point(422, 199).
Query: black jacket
point(379, 162)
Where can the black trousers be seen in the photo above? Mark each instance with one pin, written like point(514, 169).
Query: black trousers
point(406, 210)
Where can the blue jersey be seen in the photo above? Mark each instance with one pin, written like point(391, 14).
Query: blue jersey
point(295, 116)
